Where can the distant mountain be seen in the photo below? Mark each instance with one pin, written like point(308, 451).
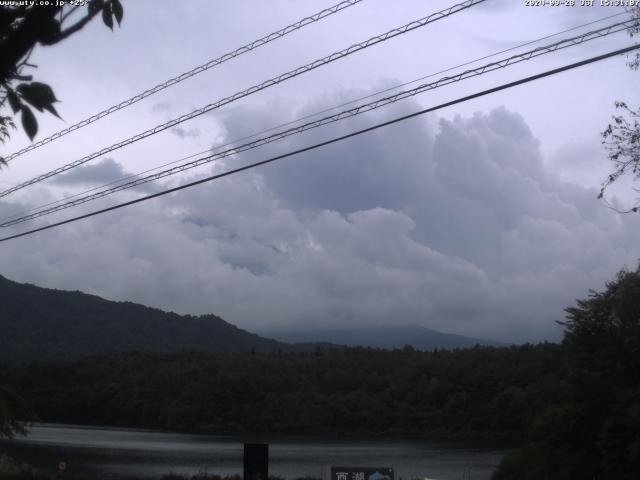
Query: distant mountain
point(40, 323)
point(420, 338)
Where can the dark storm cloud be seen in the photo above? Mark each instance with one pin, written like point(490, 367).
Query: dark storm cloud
point(367, 172)
point(479, 192)
point(105, 172)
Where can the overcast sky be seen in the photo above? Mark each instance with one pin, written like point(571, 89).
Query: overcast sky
point(479, 219)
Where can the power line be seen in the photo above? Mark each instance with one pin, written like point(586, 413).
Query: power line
point(195, 71)
point(305, 117)
point(256, 88)
point(396, 87)
point(333, 140)
point(554, 47)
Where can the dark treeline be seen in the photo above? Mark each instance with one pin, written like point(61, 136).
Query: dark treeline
point(406, 393)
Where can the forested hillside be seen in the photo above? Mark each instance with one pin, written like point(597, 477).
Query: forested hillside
point(40, 323)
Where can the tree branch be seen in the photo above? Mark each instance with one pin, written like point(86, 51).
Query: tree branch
point(18, 43)
point(76, 26)
point(68, 13)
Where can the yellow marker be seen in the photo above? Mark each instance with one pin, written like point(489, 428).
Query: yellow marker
point(62, 466)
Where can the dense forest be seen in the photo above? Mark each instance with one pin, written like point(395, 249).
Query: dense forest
point(367, 392)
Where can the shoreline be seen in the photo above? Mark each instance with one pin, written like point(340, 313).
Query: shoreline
point(448, 439)
point(117, 454)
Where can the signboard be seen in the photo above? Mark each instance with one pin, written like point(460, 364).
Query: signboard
point(256, 461)
point(361, 473)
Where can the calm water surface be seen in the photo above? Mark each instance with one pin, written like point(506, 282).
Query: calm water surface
point(109, 453)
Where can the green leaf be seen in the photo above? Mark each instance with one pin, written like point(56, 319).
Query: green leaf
point(14, 101)
point(37, 94)
point(107, 16)
point(29, 122)
point(118, 11)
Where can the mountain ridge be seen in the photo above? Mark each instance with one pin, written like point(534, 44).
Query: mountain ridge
point(416, 336)
point(40, 323)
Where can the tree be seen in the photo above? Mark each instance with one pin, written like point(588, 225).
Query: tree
point(622, 136)
point(594, 431)
point(603, 333)
point(13, 412)
point(22, 28)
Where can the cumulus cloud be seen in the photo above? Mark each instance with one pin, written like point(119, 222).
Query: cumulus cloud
point(582, 163)
point(160, 107)
point(104, 171)
point(186, 132)
point(256, 263)
point(455, 225)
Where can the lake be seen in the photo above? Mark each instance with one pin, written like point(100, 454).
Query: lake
point(111, 453)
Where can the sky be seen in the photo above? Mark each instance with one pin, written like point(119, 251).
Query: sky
point(479, 219)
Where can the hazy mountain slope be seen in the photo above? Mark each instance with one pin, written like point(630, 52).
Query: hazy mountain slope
point(420, 338)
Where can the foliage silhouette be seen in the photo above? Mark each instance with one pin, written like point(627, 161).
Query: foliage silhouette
point(23, 26)
point(594, 431)
point(621, 138)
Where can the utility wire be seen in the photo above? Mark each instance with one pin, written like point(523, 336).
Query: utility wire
point(395, 87)
point(305, 117)
point(333, 140)
point(195, 71)
point(554, 47)
point(256, 88)
point(375, 94)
